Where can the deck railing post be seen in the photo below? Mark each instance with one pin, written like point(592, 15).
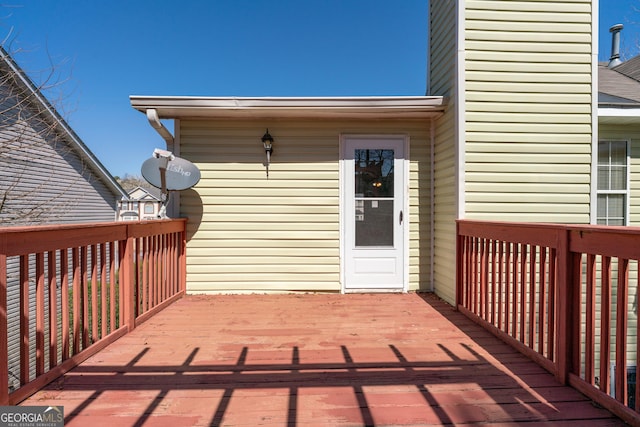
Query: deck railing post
point(459, 267)
point(182, 257)
point(565, 334)
point(128, 285)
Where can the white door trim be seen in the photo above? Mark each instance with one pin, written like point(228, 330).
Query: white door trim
point(405, 208)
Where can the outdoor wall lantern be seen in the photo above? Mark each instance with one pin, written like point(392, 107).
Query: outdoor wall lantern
point(267, 142)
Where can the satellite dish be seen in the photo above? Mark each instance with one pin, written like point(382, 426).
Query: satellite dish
point(180, 173)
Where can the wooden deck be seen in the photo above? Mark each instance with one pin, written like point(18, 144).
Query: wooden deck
point(314, 360)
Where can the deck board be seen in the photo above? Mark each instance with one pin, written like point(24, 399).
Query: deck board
point(314, 360)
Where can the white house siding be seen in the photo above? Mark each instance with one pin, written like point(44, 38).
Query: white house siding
point(248, 233)
point(442, 82)
point(528, 110)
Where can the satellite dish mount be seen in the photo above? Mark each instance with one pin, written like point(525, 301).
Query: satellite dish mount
point(169, 173)
point(164, 156)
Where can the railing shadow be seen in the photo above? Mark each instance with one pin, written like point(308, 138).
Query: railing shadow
point(421, 375)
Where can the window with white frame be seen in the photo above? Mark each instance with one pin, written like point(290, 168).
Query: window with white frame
point(613, 182)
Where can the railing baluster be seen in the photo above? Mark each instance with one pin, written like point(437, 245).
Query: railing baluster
point(40, 329)
point(474, 275)
point(605, 324)
point(531, 316)
point(523, 291)
point(104, 290)
point(84, 295)
point(500, 284)
point(482, 280)
point(145, 290)
point(4, 343)
point(507, 287)
point(492, 283)
point(113, 302)
point(24, 319)
point(53, 309)
point(621, 330)
point(77, 300)
point(542, 301)
point(590, 326)
point(514, 291)
point(95, 290)
point(553, 275)
point(468, 268)
point(64, 302)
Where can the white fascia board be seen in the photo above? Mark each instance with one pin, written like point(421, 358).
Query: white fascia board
point(619, 116)
point(618, 112)
point(176, 107)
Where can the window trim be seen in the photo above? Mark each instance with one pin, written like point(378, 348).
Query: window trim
point(626, 192)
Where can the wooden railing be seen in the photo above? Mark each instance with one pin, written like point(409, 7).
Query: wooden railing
point(562, 295)
point(67, 291)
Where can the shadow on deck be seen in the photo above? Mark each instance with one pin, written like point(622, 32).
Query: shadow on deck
point(383, 359)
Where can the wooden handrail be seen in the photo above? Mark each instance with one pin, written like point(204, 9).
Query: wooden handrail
point(88, 285)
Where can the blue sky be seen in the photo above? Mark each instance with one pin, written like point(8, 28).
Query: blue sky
point(105, 51)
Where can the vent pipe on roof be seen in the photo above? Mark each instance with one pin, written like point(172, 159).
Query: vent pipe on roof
point(615, 46)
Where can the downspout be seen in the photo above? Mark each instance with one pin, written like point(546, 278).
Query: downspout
point(154, 120)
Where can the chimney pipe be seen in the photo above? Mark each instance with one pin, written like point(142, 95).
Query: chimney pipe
point(615, 46)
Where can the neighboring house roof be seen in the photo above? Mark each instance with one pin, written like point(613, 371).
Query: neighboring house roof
point(141, 193)
point(73, 139)
point(619, 93)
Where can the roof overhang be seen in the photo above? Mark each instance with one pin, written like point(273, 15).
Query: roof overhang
point(170, 107)
point(619, 116)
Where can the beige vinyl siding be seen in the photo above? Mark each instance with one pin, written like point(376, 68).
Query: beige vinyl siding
point(442, 75)
point(419, 206)
point(528, 110)
point(248, 233)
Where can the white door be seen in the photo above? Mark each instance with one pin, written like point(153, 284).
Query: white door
point(373, 215)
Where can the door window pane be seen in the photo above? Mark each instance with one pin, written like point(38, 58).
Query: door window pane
point(373, 173)
point(374, 222)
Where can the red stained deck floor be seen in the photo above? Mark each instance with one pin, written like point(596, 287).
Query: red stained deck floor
point(314, 360)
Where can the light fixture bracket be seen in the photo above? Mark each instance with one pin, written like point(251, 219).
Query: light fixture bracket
point(267, 143)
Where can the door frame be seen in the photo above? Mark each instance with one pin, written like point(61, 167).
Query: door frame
point(404, 138)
